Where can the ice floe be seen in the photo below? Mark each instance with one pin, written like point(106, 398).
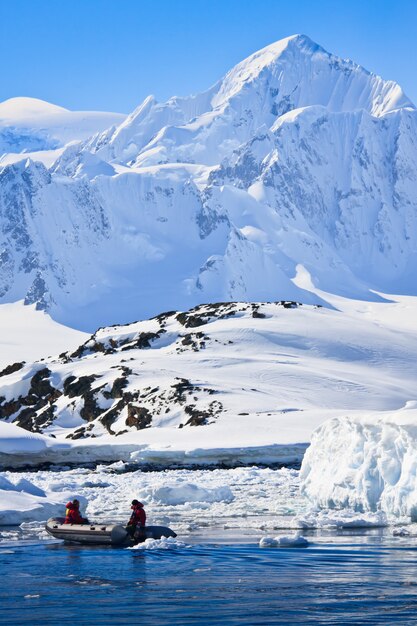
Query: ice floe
point(284, 541)
point(203, 502)
point(165, 543)
point(181, 494)
point(22, 501)
point(401, 532)
point(339, 519)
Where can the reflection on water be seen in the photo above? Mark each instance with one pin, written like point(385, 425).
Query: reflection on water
point(348, 578)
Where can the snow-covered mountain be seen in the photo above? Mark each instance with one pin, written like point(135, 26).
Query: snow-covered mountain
point(292, 74)
point(295, 171)
point(30, 125)
point(242, 380)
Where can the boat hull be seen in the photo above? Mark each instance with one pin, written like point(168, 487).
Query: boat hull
point(101, 534)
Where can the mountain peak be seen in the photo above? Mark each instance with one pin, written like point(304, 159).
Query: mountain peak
point(303, 42)
point(283, 57)
point(301, 70)
point(270, 54)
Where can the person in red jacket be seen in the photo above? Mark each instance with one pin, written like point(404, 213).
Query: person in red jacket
point(137, 521)
point(73, 515)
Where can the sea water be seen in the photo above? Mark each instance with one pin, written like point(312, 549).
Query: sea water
point(356, 577)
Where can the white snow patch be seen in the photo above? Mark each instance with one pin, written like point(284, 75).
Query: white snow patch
point(29, 334)
point(16, 440)
point(165, 543)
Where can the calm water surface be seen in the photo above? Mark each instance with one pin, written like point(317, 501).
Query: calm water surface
point(345, 579)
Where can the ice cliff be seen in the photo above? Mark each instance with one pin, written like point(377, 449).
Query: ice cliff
point(366, 463)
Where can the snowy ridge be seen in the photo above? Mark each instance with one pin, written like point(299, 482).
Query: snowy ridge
point(290, 74)
point(31, 125)
point(15, 110)
point(222, 383)
point(296, 161)
point(291, 63)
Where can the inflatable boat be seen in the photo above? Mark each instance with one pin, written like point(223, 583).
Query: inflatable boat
point(102, 534)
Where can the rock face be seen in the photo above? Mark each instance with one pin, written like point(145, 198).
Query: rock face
point(295, 163)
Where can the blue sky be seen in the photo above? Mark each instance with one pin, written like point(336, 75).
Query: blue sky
point(110, 54)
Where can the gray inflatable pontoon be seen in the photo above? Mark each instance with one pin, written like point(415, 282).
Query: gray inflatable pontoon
point(101, 534)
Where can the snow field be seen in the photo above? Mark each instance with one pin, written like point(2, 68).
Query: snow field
point(28, 334)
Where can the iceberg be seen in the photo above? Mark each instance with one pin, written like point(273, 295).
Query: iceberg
point(365, 463)
point(24, 502)
point(284, 541)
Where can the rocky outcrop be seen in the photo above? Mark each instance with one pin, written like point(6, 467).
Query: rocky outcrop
point(35, 410)
point(10, 369)
point(138, 417)
point(102, 383)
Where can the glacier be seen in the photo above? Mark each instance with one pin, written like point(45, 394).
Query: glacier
point(295, 161)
